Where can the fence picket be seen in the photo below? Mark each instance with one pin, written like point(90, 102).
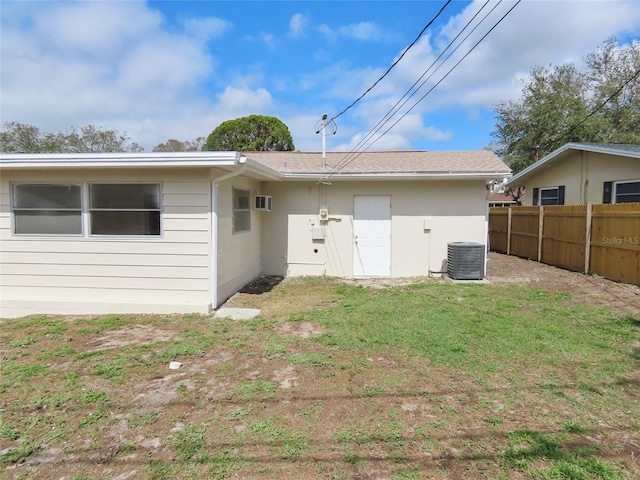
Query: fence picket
point(594, 239)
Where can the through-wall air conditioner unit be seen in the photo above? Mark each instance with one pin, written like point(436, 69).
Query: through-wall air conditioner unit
point(263, 202)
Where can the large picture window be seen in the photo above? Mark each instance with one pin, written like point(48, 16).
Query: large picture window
point(61, 209)
point(47, 209)
point(124, 209)
point(241, 210)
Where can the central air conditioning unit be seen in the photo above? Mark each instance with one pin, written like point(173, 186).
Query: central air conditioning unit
point(465, 260)
point(263, 202)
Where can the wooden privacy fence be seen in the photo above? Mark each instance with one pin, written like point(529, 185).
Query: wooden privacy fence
point(593, 239)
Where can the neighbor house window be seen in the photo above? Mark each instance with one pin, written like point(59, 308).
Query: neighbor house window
point(548, 196)
point(124, 208)
point(47, 209)
point(241, 211)
point(626, 191)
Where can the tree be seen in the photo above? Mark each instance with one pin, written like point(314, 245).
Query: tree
point(23, 138)
point(553, 101)
point(252, 133)
point(563, 104)
point(173, 145)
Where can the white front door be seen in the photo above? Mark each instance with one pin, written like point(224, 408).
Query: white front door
point(372, 236)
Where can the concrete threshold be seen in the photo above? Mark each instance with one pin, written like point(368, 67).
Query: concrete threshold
point(237, 313)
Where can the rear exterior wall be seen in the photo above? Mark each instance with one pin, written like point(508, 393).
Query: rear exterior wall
point(425, 216)
point(112, 274)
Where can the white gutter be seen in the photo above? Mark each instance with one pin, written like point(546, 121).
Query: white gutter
point(120, 160)
point(214, 226)
point(397, 176)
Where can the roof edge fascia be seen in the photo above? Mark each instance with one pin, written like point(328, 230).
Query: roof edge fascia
point(396, 176)
point(261, 170)
point(119, 160)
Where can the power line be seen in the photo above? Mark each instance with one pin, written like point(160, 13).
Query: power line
point(400, 103)
point(341, 165)
point(396, 62)
point(449, 72)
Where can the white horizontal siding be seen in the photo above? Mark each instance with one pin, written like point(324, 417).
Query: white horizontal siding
point(117, 282)
point(147, 273)
point(105, 247)
point(98, 270)
point(130, 259)
point(239, 255)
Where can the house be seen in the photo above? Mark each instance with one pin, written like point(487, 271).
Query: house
point(499, 196)
point(182, 232)
point(578, 173)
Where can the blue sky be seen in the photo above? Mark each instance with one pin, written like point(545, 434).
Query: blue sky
point(167, 69)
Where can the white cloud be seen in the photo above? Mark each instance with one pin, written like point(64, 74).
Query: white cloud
point(297, 24)
point(360, 31)
point(363, 31)
point(244, 99)
point(96, 28)
point(328, 32)
point(208, 28)
point(535, 33)
point(114, 65)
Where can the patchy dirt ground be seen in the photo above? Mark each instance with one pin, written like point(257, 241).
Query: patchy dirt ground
point(122, 414)
point(587, 289)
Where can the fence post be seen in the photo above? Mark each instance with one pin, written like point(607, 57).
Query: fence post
point(587, 246)
point(540, 227)
point(509, 231)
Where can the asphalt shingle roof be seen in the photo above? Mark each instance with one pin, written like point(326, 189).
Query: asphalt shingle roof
point(476, 161)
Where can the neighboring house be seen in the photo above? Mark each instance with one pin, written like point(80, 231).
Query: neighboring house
point(501, 199)
point(182, 232)
point(578, 173)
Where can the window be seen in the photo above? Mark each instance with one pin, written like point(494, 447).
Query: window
point(241, 211)
point(622, 192)
point(47, 209)
point(124, 209)
point(61, 209)
point(549, 195)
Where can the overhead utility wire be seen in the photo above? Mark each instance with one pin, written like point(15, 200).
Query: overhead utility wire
point(449, 72)
point(399, 104)
point(396, 62)
point(440, 81)
point(344, 163)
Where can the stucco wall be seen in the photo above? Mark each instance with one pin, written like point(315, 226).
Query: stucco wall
point(63, 274)
point(583, 175)
point(454, 211)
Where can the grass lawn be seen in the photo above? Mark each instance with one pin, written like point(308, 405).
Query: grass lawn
point(333, 381)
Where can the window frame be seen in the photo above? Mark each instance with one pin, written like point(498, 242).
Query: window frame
point(615, 194)
point(559, 198)
point(14, 223)
point(237, 192)
point(85, 210)
point(90, 209)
